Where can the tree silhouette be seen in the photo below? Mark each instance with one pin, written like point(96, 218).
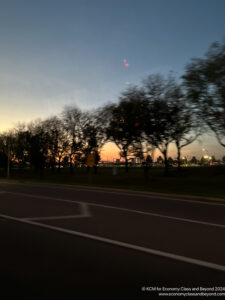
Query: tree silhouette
point(185, 126)
point(160, 116)
point(125, 126)
point(204, 80)
point(57, 142)
point(72, 118)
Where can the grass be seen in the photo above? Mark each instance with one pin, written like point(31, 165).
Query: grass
point(197, 181)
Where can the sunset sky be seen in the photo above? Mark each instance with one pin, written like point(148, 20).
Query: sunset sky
point(55, 53)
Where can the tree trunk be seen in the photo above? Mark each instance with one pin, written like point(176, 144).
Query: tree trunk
point(178, 157)
point(166, 162)
point(71, 164)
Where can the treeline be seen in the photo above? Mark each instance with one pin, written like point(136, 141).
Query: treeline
point(161, 111)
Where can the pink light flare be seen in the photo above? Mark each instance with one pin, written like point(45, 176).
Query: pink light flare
point(124, 60)
point(126, 65)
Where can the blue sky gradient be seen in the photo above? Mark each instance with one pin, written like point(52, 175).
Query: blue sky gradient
point(55, 53)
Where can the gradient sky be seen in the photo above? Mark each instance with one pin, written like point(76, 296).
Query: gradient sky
point(56, 53)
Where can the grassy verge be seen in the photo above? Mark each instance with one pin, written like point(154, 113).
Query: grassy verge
point(202, 181)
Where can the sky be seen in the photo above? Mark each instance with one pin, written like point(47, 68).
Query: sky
point(56, 53)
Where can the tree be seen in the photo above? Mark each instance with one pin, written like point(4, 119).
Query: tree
point(94, 135)
point(159, 160)
point(185, 126)
point(169, 118)
point(194, 160)
point(160, 115)
point(7, 146)
point(162, 133)
point(170, 161)
point(205, 160)
point(73, 125)
point(20, 146)
point(3, 160)
point(57, 142)
point(37, 145)
point(204, 80)
point(126, 122)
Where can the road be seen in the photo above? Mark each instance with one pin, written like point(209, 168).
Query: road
point(61, 242)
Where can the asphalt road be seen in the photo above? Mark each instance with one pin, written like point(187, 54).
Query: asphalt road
point(61, 242)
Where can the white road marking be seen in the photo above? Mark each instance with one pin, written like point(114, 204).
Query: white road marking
point(55, 217)
point(85, 212)
point(156, 197)
point(123, 209)
point(84, 209)
point(176, 257)
point(159, 215)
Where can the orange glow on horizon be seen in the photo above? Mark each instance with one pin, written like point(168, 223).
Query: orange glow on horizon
point(110, 152)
